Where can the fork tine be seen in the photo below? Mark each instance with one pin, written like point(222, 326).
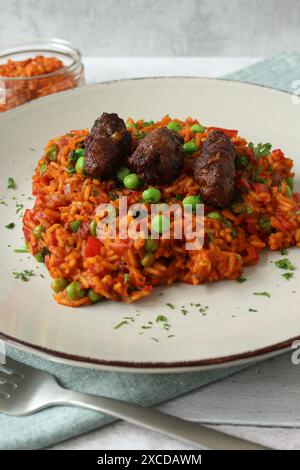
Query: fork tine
point(8, 378)
point(3, 396)
point(14, 366)
point(7, 388)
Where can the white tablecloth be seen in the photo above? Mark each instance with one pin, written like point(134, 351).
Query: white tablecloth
point(261, 403)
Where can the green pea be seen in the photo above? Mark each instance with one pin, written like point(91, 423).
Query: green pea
point(39, 257)
point(131, 181)
point(190, 147)
point(192, 200)
point(93, 296)
point(151, 195)
point(58, 285)
point(174, 126)
point(74, 290)
point(195, 128)
point(151, 245)
point(160, 224)
point(147, 260)
point(80, 164)
point(43, 168)
point(71, 290)
point(38, 230)
point(122, 172)
point(93, 228)
point(74, 226)
point(52, 153)
point(214, 216)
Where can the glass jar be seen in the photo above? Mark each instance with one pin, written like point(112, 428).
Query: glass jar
point(17, 89)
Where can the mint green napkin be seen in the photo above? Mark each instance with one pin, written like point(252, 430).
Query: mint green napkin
point(59, 423)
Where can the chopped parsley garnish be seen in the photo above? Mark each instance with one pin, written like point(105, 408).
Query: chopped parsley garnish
point(11, 183)
point(11, 225)
point(140, 135)
point(234, 233)
point(265, 223)
point(285, 264)
point(19, 207)
point(290, 181)
point(288, 192)
point(288, 275)
point(73, 156)
point(71, 170)
point(256, 172)
point(126, 278)
point(210, 235)
point(21, 250)
point(241, 161)
point(284, 251)
point(170, 306)
point(161, 318)
point(129, 318)
point(148, 123)
point(23, 275)
point(261, 150)
point(252, 310)
point(184, 311)
point(122, 323)
point(241, 279)
point(264, 294)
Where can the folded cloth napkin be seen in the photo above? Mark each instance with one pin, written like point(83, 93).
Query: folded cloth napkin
point(59, 423)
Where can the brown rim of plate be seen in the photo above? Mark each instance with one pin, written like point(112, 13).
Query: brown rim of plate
point(221, 361)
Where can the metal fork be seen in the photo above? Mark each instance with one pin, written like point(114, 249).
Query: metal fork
point(25, 390)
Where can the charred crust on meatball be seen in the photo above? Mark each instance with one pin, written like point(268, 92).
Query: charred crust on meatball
point(111, 125)
point(106, 146)
point(159, 157)
point(214, 169)
point(102, 157)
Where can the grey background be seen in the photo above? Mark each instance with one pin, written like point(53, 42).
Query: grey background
point(158, 27)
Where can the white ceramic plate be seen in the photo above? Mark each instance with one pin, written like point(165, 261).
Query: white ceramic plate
point(228, 333)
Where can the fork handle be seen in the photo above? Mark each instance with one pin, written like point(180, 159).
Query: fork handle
point(155, 420)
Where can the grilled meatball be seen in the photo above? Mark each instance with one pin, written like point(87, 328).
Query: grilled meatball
point(214, 169)
point(159, 156)
point(107, 145)
point(102, 157)
point(110, 125)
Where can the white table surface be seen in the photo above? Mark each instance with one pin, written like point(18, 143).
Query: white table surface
point(260, 403)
